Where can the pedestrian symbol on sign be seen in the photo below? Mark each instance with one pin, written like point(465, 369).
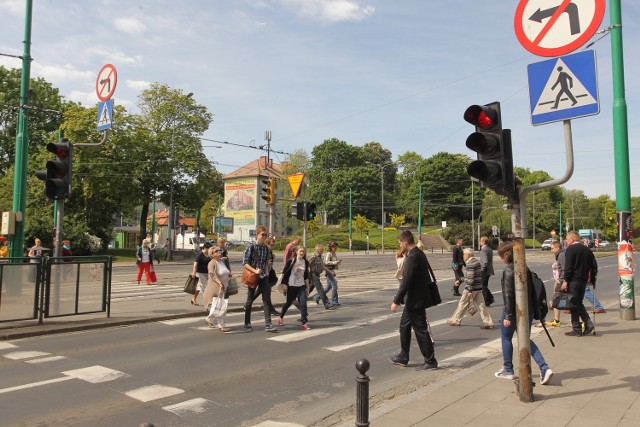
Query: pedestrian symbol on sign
point(105, 114)
point(566, 83)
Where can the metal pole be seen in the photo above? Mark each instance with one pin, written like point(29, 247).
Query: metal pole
point(524, 383)
point(420, 214)
point(533, 244)
point(560, 223)
point(473, 238)
point(621, 157)
point(362, 393)
point(382, 198)
point(304, 229)
point(22, 141)
point(350, 219)
point(153, 219)
point(171, 213)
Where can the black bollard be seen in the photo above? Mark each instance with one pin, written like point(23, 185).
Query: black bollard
point(362, 393)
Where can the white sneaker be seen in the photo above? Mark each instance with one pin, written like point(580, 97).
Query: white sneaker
point(545, 378)
point(504, 374)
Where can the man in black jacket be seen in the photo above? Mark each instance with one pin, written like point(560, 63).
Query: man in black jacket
point(414, 292)
point(580, 266)
point(457, 262)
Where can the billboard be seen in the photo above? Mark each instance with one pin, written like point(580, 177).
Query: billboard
point(240, 201)
point(223, 224)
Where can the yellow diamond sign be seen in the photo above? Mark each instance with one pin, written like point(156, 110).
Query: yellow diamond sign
point(295, 181)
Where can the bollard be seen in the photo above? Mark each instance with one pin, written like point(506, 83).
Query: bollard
point(362, 393)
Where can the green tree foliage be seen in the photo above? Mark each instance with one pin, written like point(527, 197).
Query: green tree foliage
point(361, 223)
point(398, 220)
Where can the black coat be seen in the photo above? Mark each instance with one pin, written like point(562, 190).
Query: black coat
point(580, 264)
point(414, 288)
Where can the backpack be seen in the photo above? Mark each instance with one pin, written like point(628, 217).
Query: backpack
point(539, 294)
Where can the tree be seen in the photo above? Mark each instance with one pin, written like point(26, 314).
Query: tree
point(174, 122)
point(398, 220)
point(362, 223)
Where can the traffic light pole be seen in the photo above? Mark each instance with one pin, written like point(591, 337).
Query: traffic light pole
point(304, 229)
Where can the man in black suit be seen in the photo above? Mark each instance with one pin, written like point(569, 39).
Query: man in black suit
point(580, 266)
point(414, 292)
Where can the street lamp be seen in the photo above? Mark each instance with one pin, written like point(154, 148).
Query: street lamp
point(381, 197)
point(171, 220)
point(503, 207)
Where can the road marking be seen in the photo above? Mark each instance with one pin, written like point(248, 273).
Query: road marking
point(96, 374)
point(46, 359)
point(197, 406)
point(19, 355)
point(36, 384)
point(5, 345)
point(153, 392)
point(485, 351)
point(277, 424)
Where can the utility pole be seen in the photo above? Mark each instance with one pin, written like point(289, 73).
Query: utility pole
point(22, 141)
point(621, 157)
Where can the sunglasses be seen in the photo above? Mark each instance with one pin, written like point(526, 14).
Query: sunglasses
point(263, 234)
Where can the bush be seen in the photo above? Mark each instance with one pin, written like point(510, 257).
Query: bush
point(458, 230)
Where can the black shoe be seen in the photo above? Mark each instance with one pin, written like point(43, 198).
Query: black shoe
point(573, 333)
point(456, 293)
point(589, 329)
point(329, 307)
point(248, 326)
point(426, 366)
point(270, 328)
point(398, 360)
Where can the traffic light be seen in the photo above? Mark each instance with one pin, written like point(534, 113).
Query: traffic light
point(57, 176)
point(311, 211)
point(269, 191)
point(494, 166)
point(298, 210)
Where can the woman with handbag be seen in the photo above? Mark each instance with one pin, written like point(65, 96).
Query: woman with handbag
point(144, 260)
point(295, 281)
point(200, 269)
point(215, 292)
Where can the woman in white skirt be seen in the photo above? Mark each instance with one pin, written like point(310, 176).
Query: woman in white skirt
point(200, 269)
point(219, 276)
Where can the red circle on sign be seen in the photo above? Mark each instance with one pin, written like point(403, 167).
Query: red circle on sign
point(536, 49)
point(106, 82)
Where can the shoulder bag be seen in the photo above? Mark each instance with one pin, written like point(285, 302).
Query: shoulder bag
point(433, 288)
point(250, 278)
point(191, 284)
point(232, 287)
point(563, 301)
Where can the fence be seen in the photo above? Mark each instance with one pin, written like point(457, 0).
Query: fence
point(35, 288)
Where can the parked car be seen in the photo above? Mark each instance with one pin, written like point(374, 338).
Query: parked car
point(546, 245)
point(603, 243)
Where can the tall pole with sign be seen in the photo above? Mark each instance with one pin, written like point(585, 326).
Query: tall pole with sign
point(623, 183)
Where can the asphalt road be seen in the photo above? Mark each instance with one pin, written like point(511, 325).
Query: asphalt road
point(180, 373)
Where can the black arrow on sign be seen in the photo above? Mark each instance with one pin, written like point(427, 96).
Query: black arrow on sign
point(571, 10)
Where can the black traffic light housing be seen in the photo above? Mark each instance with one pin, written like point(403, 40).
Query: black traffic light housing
point(269, 191)
point(494, 165)
point(311, 211)
point(58, 173)
point(298, 210)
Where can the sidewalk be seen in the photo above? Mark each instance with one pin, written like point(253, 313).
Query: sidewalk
point(596, 383)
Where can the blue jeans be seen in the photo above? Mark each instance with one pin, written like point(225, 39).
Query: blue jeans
point(506, 335)
point(332, 283)
point(588, 294)
point(293, 293)
point(317, 284)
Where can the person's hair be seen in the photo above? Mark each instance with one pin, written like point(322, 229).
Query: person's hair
point(400, 253)
point(295, 239)
point(332, 244)
point(556, 244)
point(37, 240)
point(270, 241)
point(261, 229)
point(458, 239)
point(484, 240)
point(406, 236)
point(319, 246)
point(222, 240)
point(145, 241)
point(505, 251)
point(574, 235)
point(212, 249)
point(467, 251)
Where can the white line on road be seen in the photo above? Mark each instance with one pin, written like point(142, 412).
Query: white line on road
point(32, 385)
point(5, 345)
point(19, 355)
point(96, 374)
point(46, 359)
point(197, 406)
point(153, 392)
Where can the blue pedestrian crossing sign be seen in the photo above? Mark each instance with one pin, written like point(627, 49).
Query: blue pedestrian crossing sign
point(563, 88)
point(105, 114)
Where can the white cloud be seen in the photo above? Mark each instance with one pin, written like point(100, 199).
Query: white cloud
point(15, 6)
point(55, 73)
point(137, 84)
point(85, 98)
point(130, 25)
point(331, 10)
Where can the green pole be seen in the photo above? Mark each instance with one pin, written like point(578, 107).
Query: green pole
point(22, 141)
point(153, 219)
point(420, 214)
point(621, 162)
point(350, 218)
point(560, 227)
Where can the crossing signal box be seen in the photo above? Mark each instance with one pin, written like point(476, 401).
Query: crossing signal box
point(311, 211)
point(269, 189)
point(57, 176)
point(492, 144)
point(298, 210)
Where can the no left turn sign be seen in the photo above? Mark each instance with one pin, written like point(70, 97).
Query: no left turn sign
point(106, 82)
point(557, 27)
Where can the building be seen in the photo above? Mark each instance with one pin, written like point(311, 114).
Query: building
point(244, 204)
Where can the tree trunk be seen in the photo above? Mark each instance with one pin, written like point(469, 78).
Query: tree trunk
point(143, 221)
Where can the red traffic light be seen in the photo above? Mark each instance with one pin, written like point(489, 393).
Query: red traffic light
point(61, 150)
point(484, 117)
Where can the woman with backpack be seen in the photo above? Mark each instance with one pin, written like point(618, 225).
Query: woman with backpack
point(295, 282)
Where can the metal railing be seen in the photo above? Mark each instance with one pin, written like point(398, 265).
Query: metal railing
point(35, 288)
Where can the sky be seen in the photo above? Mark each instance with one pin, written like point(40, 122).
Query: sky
point(397, 72)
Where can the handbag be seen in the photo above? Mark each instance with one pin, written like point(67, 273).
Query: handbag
point(273, 277)
point(232, 287)
point(218, 307)
point(433, 288)
point(563, 301)
point(191, 284)
point(152, 276)
point(250, 278)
